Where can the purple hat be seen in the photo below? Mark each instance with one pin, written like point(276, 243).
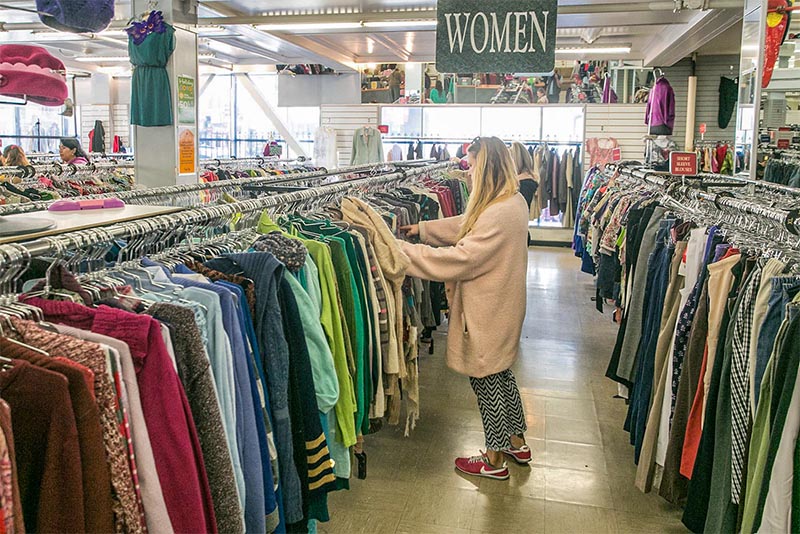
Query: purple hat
point(76, 16)
point(33, 72)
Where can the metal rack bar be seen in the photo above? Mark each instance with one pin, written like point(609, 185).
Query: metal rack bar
point(23, 251)
point(674, 186)
point(172, 190)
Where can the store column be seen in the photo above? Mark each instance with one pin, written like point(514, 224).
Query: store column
point(168, 155)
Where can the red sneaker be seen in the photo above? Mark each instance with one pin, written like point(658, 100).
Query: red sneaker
point(521, 456)
point(480, 466)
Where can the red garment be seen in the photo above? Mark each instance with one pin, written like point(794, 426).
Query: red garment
point(88, 374)
point(694, 426)
point(176, 448)
point(47, 451)
point(777, 24)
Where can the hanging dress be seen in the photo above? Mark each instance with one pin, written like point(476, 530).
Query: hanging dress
point(151, 99)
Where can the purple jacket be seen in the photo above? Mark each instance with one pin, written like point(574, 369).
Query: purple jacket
point(661, 105)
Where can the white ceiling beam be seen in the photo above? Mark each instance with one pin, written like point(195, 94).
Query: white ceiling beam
point(674, 43)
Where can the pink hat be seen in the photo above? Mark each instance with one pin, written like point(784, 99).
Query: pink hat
point(33, 72)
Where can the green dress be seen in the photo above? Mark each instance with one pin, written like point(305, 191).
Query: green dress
point(151, 99)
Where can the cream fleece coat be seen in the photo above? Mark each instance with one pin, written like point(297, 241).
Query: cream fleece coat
point(485, 279)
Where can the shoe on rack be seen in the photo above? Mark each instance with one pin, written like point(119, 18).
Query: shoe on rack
point(480, 466)
point(522, 455)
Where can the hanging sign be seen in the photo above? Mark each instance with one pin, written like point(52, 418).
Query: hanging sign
point(186, 106)
point(783, 137)
point(702, 128)
point(498, 36)
point(683, 163)
point(383, 128)
point(186, 152)
point(616, 154)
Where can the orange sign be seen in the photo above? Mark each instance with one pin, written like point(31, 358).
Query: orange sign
point(186, 160)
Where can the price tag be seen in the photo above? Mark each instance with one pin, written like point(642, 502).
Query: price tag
point(702, 128)
point(683, 163)
point(616, 154)
point(383, 128)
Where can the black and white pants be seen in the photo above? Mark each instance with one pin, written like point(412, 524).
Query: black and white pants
point(501, 408)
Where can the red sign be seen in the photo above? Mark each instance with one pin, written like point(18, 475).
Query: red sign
point(783, 137)
point(383, 128)
point(784, 143)
point(702, 128)
point(616, 154)
point(683, 163)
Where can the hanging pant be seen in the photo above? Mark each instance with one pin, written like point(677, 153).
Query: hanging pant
point(501, 408)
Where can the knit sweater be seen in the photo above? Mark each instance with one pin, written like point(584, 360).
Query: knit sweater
point(172, 432)
point(47, 450)
point(97, 502)
point(125, 504)
point(485, 277)
point(194, 370)
point(16, 518)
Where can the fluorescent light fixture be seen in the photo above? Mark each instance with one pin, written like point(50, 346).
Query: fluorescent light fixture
point(310, 26)
point(401, 24)
point(595, 50)
point(102, 59)
point(355, 25)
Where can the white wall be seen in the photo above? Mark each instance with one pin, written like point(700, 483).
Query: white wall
point(318, 90)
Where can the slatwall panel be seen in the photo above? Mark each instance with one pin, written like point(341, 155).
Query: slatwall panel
point(709, 71)
point(116, 121)
point(121, 120)
point(623, 122)
point(92, 113)
point(346, 120)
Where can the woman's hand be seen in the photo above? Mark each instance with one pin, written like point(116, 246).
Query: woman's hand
point(410, 230)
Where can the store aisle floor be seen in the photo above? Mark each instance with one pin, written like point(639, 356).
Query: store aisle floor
point(581, 479)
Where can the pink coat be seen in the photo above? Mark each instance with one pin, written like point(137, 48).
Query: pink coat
point(485, 279)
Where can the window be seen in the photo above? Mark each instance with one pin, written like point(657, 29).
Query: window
point(234, 125)
point(35, 128)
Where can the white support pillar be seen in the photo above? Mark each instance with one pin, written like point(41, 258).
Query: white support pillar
point(269, 111)
point(167, 155)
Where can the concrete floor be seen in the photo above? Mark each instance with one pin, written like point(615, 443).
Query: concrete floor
point(581, 479)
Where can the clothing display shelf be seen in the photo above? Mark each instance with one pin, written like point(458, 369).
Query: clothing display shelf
point(153, 232)
point(180, 194)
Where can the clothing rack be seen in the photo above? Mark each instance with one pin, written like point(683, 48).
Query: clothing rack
point(171, 192)
point(57, 169)
point(155, 231)
point(674, 187)
point(259, 160)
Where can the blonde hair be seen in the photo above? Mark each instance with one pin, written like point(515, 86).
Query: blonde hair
point(523, 162)
point(493, 179)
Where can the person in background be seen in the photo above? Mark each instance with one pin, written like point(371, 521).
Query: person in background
point(554, 88)
point(71, 152)
point(483, 259)
point(395, 81)
point(541, 97)
point(437, 93)
point(528, 180)
point(14, 156)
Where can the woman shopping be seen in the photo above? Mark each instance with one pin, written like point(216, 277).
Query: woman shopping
point(482, 257)
point(71, 152)
point(528, 180)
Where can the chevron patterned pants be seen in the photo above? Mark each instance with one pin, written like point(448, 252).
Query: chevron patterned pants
point(501, 408)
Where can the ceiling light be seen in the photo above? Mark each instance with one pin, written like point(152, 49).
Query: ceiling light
point(595, 50)
point(310, 26)
point(101, 59)
point(401, 24)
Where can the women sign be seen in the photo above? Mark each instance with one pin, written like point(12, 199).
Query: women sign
point(501, 35)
